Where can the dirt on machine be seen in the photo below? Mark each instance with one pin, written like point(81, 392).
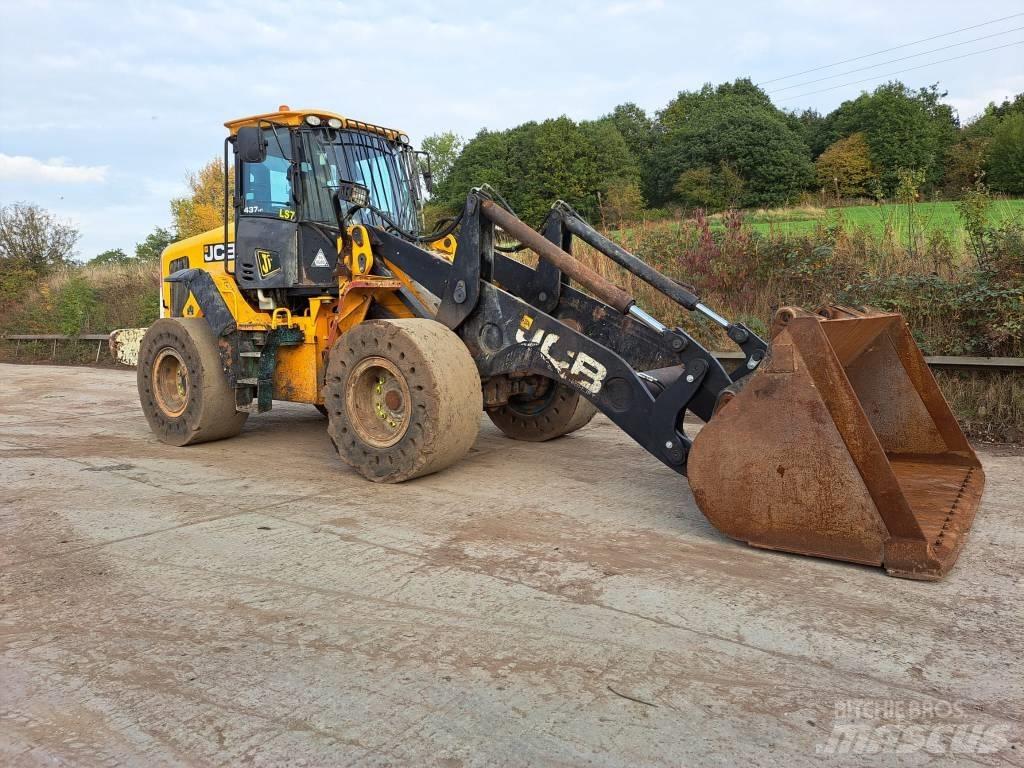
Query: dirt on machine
point(829, 439)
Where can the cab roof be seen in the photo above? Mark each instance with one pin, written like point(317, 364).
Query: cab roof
point(285, 115)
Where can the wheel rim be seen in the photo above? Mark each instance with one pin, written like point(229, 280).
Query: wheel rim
point(171, 383)
point(521, 406)
point(378, 402)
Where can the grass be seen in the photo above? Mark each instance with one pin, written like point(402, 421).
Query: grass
point(87, 299)
point(879, 219)
point(988, 405)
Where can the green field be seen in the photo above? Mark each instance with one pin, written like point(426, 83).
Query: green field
point(876, 218)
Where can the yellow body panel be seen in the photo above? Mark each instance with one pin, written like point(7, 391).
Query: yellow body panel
point(296, 117)
point(299, 372)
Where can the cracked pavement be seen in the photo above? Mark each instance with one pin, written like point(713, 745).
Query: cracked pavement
point(253, 601)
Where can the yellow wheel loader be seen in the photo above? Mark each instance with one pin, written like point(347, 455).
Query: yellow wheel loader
point(322, 288)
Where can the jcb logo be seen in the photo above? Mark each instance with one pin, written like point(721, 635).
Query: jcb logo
point(215, 252)
point(580, 368)
point(267, 262)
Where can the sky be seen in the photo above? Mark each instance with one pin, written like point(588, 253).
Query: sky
point(105, 106)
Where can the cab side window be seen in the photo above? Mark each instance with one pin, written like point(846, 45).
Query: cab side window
point(266, 186)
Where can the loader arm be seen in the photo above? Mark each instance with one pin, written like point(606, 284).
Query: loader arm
point(636, 371)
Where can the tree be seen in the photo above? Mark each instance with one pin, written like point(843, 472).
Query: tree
point(903, 128)
point(714, 189)
point(845, 167)
point(695, 188)
point(534, 164)
point(1005, 161)
point(984, 125)
point(146, 252)
point(484, 160)
point(734, 126)
point(622, 203)
point(813, 129)
point(203, 209)
point(149, 250)
point(443, 148)
point(113, 256)
point(965, 162)
point(33, 238)
point(638, 130)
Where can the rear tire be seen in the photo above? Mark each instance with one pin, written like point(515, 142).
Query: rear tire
point(183, 390)
point(403, 398)
point(558, 412)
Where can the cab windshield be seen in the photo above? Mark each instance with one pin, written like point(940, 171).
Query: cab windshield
point(384, 167)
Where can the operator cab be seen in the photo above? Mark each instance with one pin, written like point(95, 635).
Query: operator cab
point(288, 167)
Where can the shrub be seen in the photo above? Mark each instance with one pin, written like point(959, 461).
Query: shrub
point(75, 304)
point(623, 203)
point(845, 167)
point(1005, 160)
point(90, 299)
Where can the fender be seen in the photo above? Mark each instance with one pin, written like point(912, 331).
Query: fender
point(200, 284)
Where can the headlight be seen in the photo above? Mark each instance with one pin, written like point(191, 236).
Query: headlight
point(312, 120)
point(354, 193)
point(334, 123)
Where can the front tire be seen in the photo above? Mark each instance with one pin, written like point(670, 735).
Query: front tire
point(403, 398)
point(184, 392)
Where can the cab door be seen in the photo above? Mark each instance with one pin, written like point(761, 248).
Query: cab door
point(266, 225)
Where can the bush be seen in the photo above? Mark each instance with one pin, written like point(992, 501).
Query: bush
point(955, 305)
point(90, 299)
point(75, 305)
point(1005, 160)
point(845, 167)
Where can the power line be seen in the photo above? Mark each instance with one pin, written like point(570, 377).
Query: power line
point(887, 50)
point(909, 69)
point(893, 61)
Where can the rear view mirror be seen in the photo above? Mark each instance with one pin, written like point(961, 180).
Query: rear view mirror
point(427, 173)
point(251, 145)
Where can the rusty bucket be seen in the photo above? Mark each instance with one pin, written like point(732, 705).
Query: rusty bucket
point(841, 446)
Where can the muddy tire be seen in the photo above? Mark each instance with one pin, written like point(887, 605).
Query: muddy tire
point(558, 412)
point(403, 398)
point(182, 386)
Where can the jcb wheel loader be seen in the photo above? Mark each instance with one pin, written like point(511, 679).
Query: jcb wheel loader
point(832, 441)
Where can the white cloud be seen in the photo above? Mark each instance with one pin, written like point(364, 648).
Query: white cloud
point(56, 169)
point(636, 6)
point(163, 189)
point(971, 103)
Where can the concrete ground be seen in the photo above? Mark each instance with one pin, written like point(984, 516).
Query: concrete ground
point(254, 602)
